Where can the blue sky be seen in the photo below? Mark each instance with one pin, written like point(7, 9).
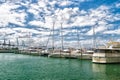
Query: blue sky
point(34, 18)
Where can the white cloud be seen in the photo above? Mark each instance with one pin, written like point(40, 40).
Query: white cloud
point(52, 2)
point(8, 15)
point(97, 29)
point(69, 17)
point(65, 3)
point(94, 17)
point(42, 3)
point(4, 31)
point(26, 3)
point(35, 12)
point(36, 23)
point(117, 5)
point(99, 17)
point(112, 32)
point(26, 30)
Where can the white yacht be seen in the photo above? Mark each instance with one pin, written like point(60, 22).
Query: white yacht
point(110, 54)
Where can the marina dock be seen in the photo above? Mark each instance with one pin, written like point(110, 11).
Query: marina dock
point(66, 55)
point(101, 55)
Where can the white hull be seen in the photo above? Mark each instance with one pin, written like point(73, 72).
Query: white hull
point(106, 56)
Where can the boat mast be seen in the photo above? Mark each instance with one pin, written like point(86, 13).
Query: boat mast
point(61, 37)
point(17, 42)
point(4, 43)
point(29, 38)
point(23, 44)
point(94, 38)
point(79, 44)
point(53, 37)
point(78, 41)
point(9, 44)
point(46, 46)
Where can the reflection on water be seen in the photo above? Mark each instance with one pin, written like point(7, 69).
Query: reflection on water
point(106, 71)
point(11, 56)
point(98, 68)
point(24, 67)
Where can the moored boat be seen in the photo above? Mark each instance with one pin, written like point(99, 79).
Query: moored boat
point(110, 54)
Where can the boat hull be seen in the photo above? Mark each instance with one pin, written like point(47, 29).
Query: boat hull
point(106, 56)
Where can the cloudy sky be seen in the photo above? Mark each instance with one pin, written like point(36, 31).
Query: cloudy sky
point(33, 20)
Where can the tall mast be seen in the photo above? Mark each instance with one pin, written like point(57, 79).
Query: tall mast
point(53, 37)
point(23, 44)
point(9, 44)
point(48, 40)
point(61, 37)
point(17, 43)
point(4, 43)
point(29, 36)
point(78, 42)
point(94, 41)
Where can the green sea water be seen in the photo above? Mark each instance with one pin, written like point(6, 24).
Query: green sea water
point(25, 67)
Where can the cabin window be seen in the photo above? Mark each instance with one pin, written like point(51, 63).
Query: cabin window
point(116, 51)
point(100, 51)
point(108, 51)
